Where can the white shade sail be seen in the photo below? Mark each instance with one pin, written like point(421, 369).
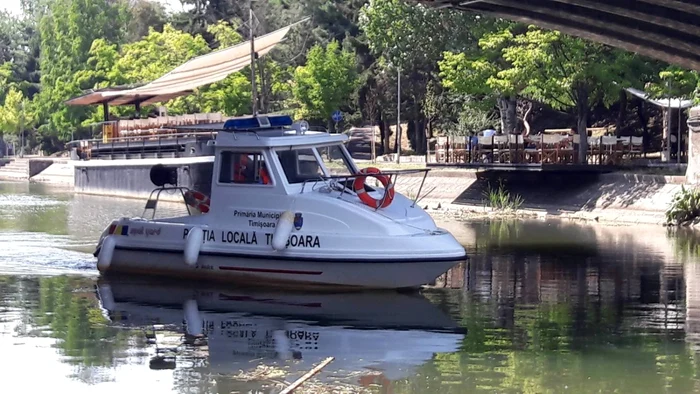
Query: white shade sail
point(202, 70)
point(207, 69)
point(674, 102)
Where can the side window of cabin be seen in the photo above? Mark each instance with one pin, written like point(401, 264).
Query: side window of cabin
point(300, 165)
point(244, 168)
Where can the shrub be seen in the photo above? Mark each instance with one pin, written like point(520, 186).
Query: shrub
point(684, 208)
point(500, 199)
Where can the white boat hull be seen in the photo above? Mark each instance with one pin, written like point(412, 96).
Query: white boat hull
point(261, 271)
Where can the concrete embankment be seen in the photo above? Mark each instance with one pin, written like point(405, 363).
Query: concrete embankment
point(611, 197)
point(40, 169)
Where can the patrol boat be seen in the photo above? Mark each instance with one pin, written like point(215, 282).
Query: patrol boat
point(288, 206)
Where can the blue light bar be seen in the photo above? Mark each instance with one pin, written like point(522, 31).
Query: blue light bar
point(251, 123)
point(280, 120)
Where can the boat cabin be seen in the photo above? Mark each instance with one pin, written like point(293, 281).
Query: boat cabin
point(274, 154)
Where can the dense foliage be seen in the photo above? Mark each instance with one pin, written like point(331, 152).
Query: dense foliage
point(684, 208)
point(460, 72)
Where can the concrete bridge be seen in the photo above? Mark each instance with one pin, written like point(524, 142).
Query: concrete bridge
point(667, 30)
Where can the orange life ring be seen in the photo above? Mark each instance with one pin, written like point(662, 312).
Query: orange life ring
point(197, 200)
point(359, 187)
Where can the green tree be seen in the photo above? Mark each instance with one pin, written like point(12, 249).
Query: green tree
point(409, 40)
point(5, 79)
point(561, 71)
point(325, 83)
point(482, 71)
point(15, 116)
point(67, 31)
point(19, 51)
point(143, 16)
point(567, 73)
point(677, 82)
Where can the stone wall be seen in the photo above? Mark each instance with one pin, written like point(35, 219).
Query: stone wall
point(617, 197)
point(693, 172)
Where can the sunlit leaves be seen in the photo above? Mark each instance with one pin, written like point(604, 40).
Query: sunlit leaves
point(326, 82)
point(15, 114)
point(409, 35)
point(68, 30)
point(540, 64)
point(158, 53)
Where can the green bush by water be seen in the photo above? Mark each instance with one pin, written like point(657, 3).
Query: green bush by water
point(684, 208)
point(500, 199)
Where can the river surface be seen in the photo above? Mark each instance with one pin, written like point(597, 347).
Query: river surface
point(541, 307)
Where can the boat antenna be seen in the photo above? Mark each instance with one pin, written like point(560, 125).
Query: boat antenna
point(252, 58)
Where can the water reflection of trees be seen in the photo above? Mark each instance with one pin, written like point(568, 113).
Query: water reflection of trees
point(540, 319)
point(50, 219)
point(686, 243)
point(76, 320)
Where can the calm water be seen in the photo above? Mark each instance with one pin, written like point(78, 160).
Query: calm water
point(541, 307)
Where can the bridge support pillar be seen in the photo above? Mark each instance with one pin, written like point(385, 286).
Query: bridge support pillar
point(692, 174)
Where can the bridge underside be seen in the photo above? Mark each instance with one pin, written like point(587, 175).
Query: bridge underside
point(667, 30)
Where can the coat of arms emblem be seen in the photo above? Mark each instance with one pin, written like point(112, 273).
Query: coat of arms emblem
point(298, 221)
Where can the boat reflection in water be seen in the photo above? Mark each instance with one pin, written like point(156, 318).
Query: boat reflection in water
point(379, 333)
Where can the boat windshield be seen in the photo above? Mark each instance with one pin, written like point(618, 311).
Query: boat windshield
point(304, 164)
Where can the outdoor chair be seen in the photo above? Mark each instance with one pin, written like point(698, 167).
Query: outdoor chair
point(565, 150)
point(458, 153)
point(517, 148)
point(532, 148)
point(594, 150)
point(550, 148)
point(440, 150)
point(485, 149)
point(201, 118)
point(611, 150)
point(637, 146)
point(501, 149)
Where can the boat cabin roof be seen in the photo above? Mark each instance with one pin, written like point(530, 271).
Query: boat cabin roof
point(269, 131)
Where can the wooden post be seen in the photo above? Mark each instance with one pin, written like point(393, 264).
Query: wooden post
point(105, 111)
point(374, 152)
point(306, 376)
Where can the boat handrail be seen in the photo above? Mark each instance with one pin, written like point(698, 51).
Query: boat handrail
point(392, 174)
point(146, 137)
point(153, 203)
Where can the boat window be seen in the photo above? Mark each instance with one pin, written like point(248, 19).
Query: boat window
point(335, 160)
point(302, 165)
point(244, 168)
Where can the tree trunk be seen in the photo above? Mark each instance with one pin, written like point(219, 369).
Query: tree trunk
point(507, 108)
point(645, 124)
point(622, 114)
point(412, 132)
point(385, 132)
point(423, 132)
point(525, 122)
point(420, 135)
point(582, 122)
